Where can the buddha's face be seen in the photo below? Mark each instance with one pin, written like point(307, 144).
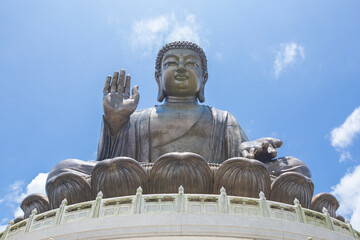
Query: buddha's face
point(181, 73)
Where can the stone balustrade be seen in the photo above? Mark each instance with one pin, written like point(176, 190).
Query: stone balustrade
point(177, 203)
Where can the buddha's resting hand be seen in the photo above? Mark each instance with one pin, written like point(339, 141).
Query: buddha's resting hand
point(263, 149)
point(117, 103)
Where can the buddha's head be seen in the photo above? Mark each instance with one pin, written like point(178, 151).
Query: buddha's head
point(181, 71)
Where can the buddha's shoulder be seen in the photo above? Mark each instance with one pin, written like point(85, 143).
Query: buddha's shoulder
point(221, 113)
point(140, 114)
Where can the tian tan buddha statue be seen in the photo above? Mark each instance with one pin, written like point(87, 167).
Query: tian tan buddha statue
point(179, 142)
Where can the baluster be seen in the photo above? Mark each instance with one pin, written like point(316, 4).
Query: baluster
point(181, 200)
point(7, 230)
point(30, 220)
point(329, 222)
point(97, 205)
point(299, 211)
point(351, 228)
point(264, 205)
point(138, 200)
point(60, 212)
point(223, 203)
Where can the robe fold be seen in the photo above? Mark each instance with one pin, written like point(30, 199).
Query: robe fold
point(221, 138)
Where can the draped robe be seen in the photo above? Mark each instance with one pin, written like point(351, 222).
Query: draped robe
point(213, 134)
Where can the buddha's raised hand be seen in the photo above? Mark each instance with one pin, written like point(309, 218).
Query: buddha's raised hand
point(117, 103)
point(263, 149)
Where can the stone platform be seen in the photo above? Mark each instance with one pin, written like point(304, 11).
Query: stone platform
point(180, 216)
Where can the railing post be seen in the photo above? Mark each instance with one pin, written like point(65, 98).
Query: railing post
point(97, 205)
point(7, 230)
point(351, 228)
point(138, 201)
point(264, 205)
point(30, 220)
point(329, 222)
point(224, 209)
point(181, 200)
point(60, 212)
point(299, 211)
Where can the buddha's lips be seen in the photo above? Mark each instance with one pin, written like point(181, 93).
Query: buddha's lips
point(181, 78)
point(181, 81)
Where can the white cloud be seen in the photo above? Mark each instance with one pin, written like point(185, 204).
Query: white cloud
point(15, 193)
point(2, 228)
point(152, 33)
point(288, 53)
point(348, 194)
point(345, 155)
point(37, 185)
point(343, 136)
point(18, 191)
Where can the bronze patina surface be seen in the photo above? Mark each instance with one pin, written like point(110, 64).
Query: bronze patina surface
point(179, 142)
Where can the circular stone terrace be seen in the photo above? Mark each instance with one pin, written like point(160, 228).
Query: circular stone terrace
point(180, 216)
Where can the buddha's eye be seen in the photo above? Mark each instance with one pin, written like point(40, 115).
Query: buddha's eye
point(191, 64)
point(170, 64)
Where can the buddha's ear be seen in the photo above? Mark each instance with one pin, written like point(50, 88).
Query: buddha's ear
point(201, 94)
point(160, 97)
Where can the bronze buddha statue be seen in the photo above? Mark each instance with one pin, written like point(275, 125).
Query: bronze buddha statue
point(179, 142)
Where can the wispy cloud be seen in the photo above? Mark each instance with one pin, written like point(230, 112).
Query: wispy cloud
point(345, 155)
point(152, 33)
point(15, 193)
point(18, 191)
point(288, 54)
point(343, 136)
point(348, 194)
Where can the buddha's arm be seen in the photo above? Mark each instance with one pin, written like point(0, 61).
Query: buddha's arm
point(234, 137)
point(118, 107)
point(263, 149)
point(107, 142)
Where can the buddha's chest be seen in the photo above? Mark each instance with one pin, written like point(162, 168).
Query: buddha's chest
point(173, 124)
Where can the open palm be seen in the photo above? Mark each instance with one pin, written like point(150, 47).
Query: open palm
point(117, 103)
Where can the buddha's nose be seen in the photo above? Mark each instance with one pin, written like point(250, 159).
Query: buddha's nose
point(181, 68)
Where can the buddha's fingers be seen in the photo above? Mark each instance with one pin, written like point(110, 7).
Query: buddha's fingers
point(252, 153)
point(265, 145)
point(127, 86)
point(107, 85)
point(246, 154)
point(120, 88)
point(113, 87)
point(272, 151)
point(277, 143)
point(135, 94)
point(273, 141)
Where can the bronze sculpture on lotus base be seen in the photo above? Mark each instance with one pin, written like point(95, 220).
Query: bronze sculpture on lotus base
point(180, 142)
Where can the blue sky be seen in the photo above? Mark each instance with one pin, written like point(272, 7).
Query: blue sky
point(285, 69)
